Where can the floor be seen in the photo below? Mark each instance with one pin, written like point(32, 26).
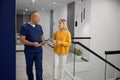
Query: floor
point(81, 69)
point(47, 65)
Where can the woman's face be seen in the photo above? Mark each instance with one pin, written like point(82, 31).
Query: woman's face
point(61, 25)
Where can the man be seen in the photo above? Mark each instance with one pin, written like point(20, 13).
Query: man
point(31, 35)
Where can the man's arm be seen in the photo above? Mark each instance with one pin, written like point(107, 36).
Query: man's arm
point(42, 38)
point(26, 42)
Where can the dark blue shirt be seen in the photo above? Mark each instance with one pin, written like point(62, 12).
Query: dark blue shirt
point(32, 34)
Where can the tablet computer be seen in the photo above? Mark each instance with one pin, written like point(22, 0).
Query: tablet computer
point(44, 42)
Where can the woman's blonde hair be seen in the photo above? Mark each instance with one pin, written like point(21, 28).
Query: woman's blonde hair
point(64, 23)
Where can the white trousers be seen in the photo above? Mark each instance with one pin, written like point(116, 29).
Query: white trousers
point(59, 63)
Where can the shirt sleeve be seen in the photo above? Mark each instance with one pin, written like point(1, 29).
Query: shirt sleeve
point(41, 30)
point(23, 31)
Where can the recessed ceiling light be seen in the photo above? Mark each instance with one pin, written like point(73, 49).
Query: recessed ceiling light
point(26, 9)
point(23, 12)
point(54, 2)
point(33, 1)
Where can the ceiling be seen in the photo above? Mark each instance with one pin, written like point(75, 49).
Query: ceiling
point(39, 5)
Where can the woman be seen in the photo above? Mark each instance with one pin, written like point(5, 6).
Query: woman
point(61, 42)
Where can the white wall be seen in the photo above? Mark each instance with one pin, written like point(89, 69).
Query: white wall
point(45, 22)
point(59, 13)
point(83, 28)
point(102, 20)
point(105, 26)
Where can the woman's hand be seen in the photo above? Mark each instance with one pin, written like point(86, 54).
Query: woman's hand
point(58, 43)
point(54, 43)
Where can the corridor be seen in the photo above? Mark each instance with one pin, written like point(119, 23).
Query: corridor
point(47, 65)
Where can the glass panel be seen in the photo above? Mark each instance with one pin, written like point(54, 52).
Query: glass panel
point(81, 63)
point(79, 67)
point(86, 42)
point(111, 73)
point(74, 60)
point(69, 67)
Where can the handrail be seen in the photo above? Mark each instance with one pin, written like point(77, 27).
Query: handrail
point(112, 52)
point(81, 37)
point(117, 78)
point(94, 53)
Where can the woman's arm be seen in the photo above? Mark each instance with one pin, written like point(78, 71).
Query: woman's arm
point(67, 43)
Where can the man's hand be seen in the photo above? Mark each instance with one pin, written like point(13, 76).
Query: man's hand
point(43, 43)
point(43, 40)
point(36, 44)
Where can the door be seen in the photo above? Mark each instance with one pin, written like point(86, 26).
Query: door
point(51, 24)
point(70, 20)
point(70, 17)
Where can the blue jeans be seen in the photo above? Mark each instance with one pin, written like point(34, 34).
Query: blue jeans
point(34, 56)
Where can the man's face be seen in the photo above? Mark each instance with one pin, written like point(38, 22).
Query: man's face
point(36, 19)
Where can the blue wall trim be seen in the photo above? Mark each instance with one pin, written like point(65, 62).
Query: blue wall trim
point(7, 40)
